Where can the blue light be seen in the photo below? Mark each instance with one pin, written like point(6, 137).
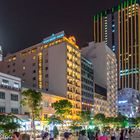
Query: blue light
point(122, 102)
point(53, 38)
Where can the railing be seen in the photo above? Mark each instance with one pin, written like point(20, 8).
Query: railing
point(9, 87)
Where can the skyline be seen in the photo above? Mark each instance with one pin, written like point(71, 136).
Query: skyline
point(23, 24)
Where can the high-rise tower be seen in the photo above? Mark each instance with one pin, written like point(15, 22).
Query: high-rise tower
point(119, 27)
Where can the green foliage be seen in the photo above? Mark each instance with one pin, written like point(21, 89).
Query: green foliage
point(138, 121)
point(8, 124)
point(84, 117)
point(75, 126)
point(62, 108)
point(53, 119)
point(99, 119)
point(55, 132)
point(32, 99)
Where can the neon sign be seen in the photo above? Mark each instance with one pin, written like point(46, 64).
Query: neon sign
point(53, 38)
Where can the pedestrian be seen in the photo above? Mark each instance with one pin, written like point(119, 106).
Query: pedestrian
point(25, 137)
point(113, 136)
point(45, 136)
point(83, 135)
point(122, 135)
point(96, 135)
point(102, 136)
point(66, 136)
point(126, 135)
point(16, 136)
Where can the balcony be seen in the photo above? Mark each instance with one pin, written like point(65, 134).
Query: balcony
point(9, 87)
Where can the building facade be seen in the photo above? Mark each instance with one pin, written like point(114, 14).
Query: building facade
point(100, 100)
point(10, 96)
point(87, 84)
point(53, 66)
point(129, 102)
point(105, 71)
point(119, 28)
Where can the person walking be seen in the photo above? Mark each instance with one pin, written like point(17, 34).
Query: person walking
point(126, 135)
point(16, 136)
point(102, 136)
point(122, 135)
point(113, 135)
point(83, 135)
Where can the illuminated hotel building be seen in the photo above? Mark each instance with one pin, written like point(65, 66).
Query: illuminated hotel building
point(105, 71)
point(87, 81)
point(54, 65)
point(119, 28)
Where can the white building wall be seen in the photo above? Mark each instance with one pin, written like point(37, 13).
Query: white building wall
point(105, 69)
point(13, 86)
point(57, 69)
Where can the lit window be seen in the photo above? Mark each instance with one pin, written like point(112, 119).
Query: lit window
point(34, 57)
point(5, 82)
point(23, 68)
point(16, 85)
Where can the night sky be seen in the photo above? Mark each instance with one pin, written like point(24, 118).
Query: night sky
point(24, 23)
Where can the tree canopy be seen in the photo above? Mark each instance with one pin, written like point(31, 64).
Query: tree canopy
point(8, 123)
point(62, 108)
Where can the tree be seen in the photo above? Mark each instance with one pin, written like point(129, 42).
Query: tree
point(138, 121)
point(62, 108)
point(99, 119)
point(32, 99)
point(55, 132)
point(53, 119)
point(85, 117)
point(8, 124)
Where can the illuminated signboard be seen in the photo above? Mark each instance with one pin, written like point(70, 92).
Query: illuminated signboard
point(122, 102)
point(53, 38)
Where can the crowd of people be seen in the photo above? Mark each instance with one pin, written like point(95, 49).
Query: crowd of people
point(124, 134)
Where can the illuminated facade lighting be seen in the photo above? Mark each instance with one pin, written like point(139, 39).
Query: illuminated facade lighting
point(119, 27)
point(54, 66)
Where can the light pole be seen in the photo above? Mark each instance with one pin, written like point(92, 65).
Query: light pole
point(91, 122)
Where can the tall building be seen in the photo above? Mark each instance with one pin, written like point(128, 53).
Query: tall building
point(87, 84)
point(119, 28)
point(105, 71)
point(54, 65)
point(1, 56)
point(10, 97)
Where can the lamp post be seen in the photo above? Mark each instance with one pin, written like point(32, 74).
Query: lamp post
point(91, 122)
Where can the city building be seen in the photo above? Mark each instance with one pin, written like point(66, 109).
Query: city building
point(10, 97)
point(53, 66)
point(119, 28)
point(105, 71)
point(129, 102)
point(87, 84)
point(100, 100)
